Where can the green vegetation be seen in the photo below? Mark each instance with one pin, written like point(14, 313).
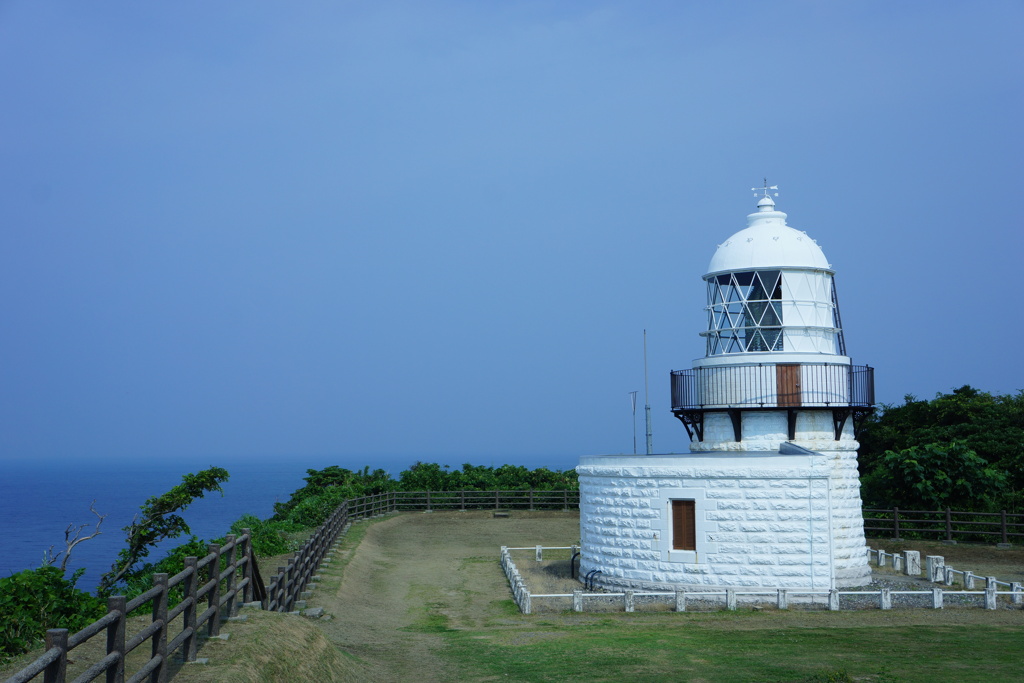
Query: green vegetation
point(325, 489)
point(961, 450)
point(34, 600)
point(731, 648)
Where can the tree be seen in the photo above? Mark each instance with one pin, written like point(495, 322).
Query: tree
point(933, 477)
point(159, 520)
point(991, 426)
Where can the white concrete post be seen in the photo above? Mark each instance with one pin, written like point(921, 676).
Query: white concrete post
point(990, 596)
point(969, 580)
point(833, 600)
point(628, 602)
point(680, 600)
point(730, 599)
point(990, 582)
point(885, 599)
point(913, 563)
point(948, 579)
point(1018, 593)
point(783, 600)
point(935, 567)
point(577, 601)
point(881, 558)
point(540, 553)
point(526, 602)
point(897, 562)
point(936, 598)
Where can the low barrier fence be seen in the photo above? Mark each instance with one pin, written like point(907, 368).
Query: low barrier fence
point(228, 573)
point(909, 562)
point(947, 525)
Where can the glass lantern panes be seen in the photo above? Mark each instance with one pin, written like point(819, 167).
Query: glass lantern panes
point(745, 312)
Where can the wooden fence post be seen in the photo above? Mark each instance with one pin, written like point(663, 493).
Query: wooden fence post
point(115, 637)
point(159, 649)
point(531, 499)
point(1002, 525)
point(949, 525)
point(229, 589)
point(896, 523)
point(190, 586)
point(57, 671)
point(289, 585)
point(214, 594)
point(248, 572)
point(282, 588)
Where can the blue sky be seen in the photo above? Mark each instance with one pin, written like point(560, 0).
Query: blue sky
point(437, 230)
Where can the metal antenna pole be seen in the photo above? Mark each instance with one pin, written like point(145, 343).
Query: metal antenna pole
point(632, 396)
point(647, 401)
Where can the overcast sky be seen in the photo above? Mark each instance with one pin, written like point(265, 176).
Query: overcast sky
point(400, 230)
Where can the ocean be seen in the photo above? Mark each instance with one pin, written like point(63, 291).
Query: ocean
point(39, 499)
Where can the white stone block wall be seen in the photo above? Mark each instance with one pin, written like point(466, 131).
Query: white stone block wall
point(762, 520)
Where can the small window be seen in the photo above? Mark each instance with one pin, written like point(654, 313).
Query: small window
point(684, 525)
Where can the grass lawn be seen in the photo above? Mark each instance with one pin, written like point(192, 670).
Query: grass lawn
point(738, 647)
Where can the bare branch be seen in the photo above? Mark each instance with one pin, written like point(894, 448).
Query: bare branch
point(70, 541)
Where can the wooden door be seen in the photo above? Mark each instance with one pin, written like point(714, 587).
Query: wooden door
point(787, 380)
point(684, 525)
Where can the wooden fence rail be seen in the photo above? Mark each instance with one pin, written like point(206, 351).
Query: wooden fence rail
point(235, 557)
point(222, 586)
point(948, 525)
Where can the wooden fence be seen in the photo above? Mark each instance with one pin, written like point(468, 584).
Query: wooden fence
point(239, 576)
point(948, 525)
point(228, 573)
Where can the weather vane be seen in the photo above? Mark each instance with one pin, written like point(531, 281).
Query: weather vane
point(765, 189)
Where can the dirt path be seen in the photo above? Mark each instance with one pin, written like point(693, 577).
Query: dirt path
point(414, 576)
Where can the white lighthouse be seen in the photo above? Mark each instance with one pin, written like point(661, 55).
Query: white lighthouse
point(769, 495)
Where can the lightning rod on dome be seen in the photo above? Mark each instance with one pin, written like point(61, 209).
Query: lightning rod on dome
point(765, 189)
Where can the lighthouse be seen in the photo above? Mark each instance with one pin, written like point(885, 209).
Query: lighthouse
point(769, 494)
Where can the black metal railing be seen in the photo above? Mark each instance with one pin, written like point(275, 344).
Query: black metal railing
point(773, 385)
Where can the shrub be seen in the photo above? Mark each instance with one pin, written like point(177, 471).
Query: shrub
point(35, 600)
point(268, 537)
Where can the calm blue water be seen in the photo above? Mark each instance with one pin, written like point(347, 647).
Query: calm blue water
point(39, 499)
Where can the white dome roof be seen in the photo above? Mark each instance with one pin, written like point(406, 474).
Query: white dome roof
point(768, 242)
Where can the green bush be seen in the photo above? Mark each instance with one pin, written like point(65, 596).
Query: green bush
point(268, 537)
point(35, 600)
